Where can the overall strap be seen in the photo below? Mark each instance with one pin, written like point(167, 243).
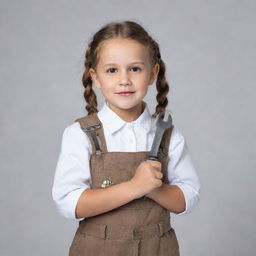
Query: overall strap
point(93, 128)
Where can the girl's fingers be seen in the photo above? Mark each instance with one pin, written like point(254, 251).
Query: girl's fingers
point(156, 164)
point(159, 175)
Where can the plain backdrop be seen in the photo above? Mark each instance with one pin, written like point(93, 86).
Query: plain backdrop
point(209, 51)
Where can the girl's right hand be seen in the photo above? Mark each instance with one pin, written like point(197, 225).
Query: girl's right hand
point(147, 177)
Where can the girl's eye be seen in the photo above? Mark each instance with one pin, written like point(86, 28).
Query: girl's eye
point(136, 68)
point(110, 70)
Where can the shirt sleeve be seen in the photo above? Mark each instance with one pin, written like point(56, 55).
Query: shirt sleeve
point(181, 171)
point(72, 174)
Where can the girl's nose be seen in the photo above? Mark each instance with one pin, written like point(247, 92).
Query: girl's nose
point(124, 79)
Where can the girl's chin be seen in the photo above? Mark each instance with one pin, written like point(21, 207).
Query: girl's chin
point(124, 106)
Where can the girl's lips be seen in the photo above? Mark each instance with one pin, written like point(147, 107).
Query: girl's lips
point(125, 93)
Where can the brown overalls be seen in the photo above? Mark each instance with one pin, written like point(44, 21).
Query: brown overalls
point(138, 228)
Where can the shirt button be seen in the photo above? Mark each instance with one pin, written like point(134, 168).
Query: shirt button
point(130, 140)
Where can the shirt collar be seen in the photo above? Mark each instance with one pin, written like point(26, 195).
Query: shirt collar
point(113, 122)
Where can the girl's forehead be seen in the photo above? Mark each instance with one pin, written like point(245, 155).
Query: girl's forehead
point(118, 49)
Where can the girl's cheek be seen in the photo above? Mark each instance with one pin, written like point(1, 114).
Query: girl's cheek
point(108, 80)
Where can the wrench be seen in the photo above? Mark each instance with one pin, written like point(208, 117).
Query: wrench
point(163, 122)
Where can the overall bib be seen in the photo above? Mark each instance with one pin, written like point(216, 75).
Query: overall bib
point(140, 227)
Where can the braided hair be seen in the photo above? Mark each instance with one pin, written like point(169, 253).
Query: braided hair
point(129, 30)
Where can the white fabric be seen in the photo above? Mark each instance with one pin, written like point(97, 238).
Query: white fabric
point(72, 174)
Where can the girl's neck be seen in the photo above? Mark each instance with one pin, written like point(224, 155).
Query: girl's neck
point(129, 115)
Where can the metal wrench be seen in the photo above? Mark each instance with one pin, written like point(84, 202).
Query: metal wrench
point(163, 122)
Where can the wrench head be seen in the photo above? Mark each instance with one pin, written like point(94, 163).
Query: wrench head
point(161, 121)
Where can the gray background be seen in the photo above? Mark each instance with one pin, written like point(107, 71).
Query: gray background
point(209, 51)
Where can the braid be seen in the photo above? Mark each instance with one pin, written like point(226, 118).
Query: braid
point(161, 86)
point(89, 94)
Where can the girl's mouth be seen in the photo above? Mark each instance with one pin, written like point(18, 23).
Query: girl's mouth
point(127, 93)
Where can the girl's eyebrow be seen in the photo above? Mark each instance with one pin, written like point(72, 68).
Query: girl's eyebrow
point(135, 62)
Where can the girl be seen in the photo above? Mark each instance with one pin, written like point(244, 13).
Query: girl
point(102, 179)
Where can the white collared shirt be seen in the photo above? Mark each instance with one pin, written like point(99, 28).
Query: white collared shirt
point(72, 174)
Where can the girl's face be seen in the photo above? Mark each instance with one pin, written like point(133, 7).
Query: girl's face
point(123, 74)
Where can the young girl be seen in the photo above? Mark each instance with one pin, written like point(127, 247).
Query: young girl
point(103, 176)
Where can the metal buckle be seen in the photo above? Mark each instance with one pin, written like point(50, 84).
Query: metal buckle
point(106, 183)
point(91, 128)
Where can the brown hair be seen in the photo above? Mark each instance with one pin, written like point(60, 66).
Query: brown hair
point(130, 30)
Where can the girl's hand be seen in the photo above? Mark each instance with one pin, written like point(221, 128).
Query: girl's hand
point(147, 177)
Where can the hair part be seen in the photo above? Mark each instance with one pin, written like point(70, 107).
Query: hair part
point(128, 30)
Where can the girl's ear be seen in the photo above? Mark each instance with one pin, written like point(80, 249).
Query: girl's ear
point(154, 73)
point(94, 77)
